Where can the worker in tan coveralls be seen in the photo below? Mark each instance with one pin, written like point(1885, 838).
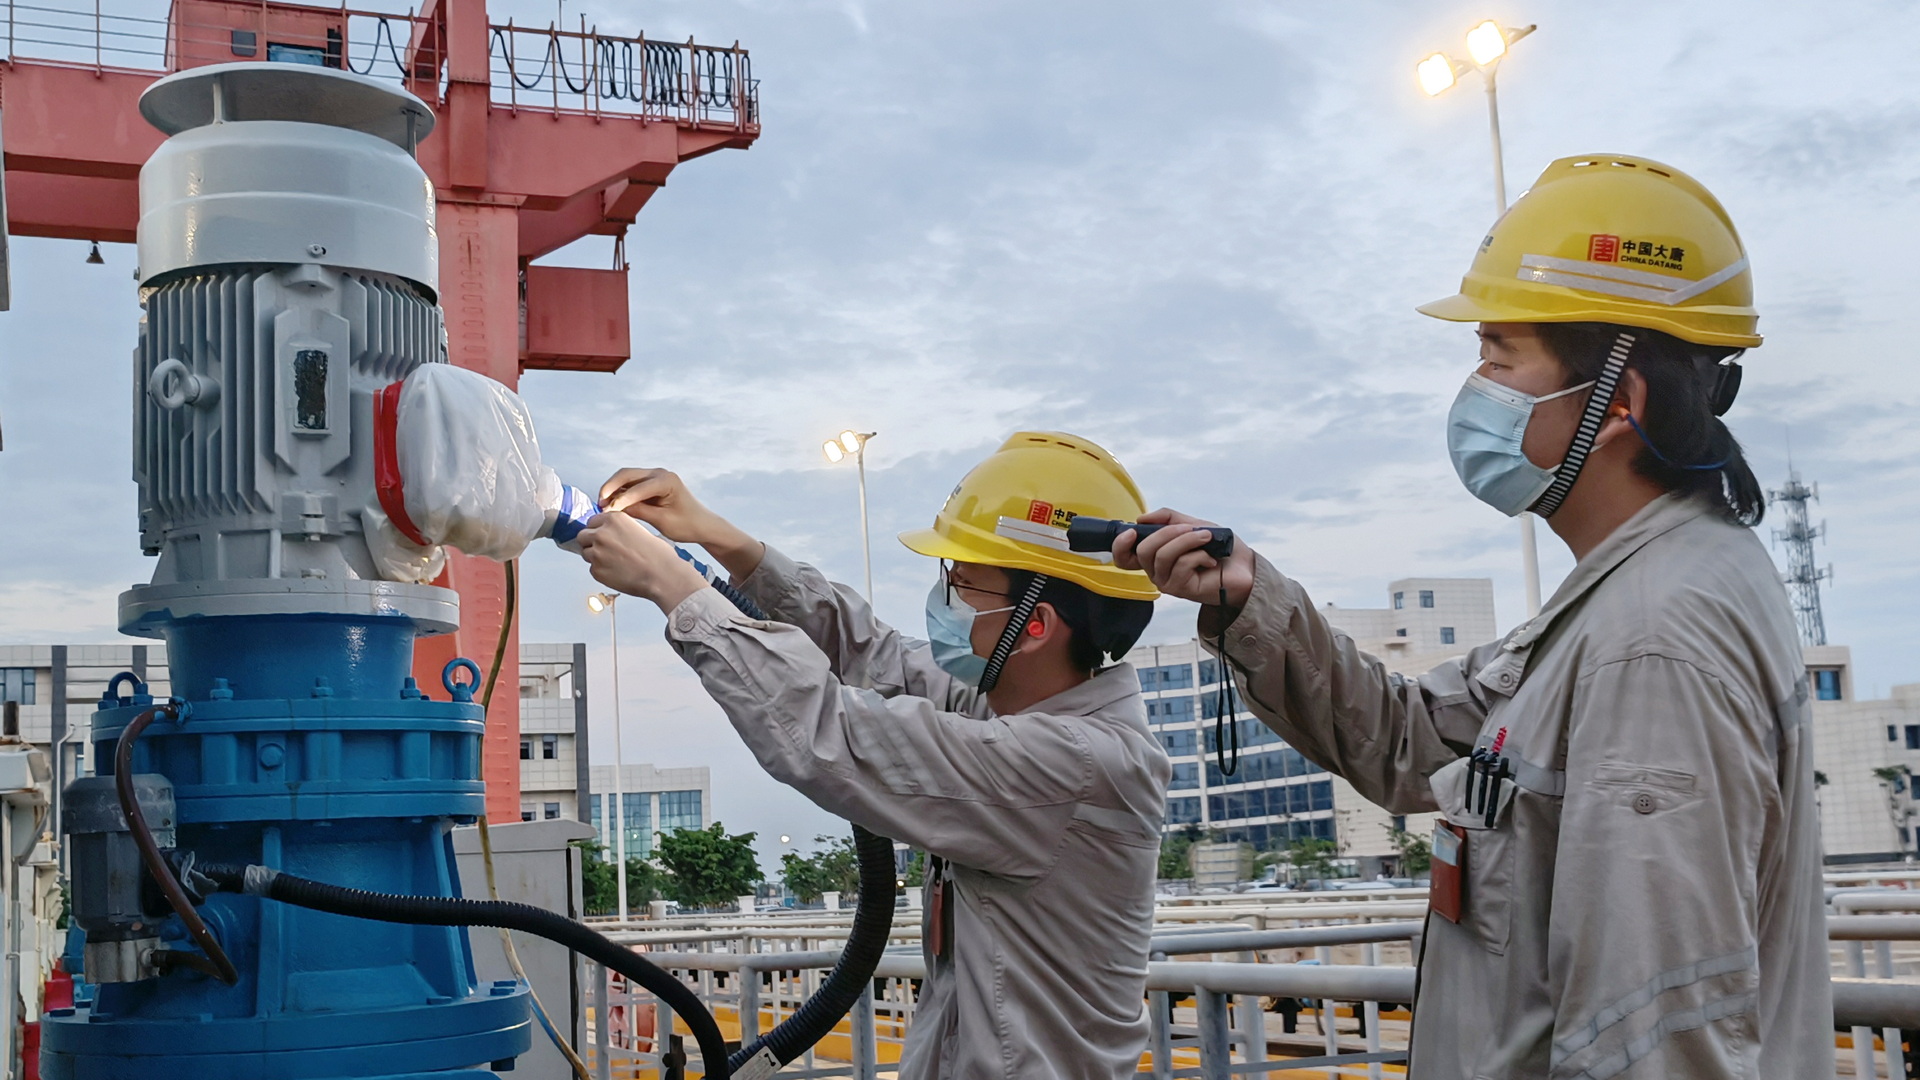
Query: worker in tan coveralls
point(1007, 747)
point(1627, 871)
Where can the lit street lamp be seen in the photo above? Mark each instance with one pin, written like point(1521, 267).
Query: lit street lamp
point(617, 817)
point(855, 443)
point(1487, 43)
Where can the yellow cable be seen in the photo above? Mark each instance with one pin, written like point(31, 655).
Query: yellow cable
point(511, 606)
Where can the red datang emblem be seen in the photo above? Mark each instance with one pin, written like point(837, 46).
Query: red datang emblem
point(1041, 512)
point(1603, 247)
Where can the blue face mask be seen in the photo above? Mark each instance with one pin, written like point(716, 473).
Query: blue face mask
point(1484, 431)
point(950, 630)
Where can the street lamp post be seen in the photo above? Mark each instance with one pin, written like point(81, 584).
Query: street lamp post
point(855, 443)
point(1487, 43)
point(617, 816)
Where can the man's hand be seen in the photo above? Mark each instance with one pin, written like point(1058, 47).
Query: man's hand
point(624, 556)
point(1173, 559)
point(661, 499)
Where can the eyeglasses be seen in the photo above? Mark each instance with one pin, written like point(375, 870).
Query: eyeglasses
point(946, 578)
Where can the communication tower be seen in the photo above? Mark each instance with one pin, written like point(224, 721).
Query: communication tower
point(1802, 577)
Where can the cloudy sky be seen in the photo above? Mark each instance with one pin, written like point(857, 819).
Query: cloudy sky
point(1194, 233)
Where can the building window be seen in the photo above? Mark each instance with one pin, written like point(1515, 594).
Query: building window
point(526, 749)
point(1399, 600)
point(1826, 684)
point(1209, 672)
point(1446, 635)
point(1183, 811)
point(16, 685)
point(1399, 823)
point(679, 810)
point(550, 810)
point(526, 815)
point(1402, 632)
point(549, 747)
point(1913, 736)
point(1893, 733)
point(1170, 710)
point(1178, 744)
point(1167, 677)
point(1426, 597)
point(638, 822)
point(1186, 774)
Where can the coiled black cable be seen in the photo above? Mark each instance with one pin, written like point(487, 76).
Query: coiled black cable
point(455, 911)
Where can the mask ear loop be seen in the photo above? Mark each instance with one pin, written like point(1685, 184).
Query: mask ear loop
point(1590, 421)
point(1226, 717)
point(1010, 637)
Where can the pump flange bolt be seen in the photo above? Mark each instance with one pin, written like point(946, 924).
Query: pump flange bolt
point(316, 250)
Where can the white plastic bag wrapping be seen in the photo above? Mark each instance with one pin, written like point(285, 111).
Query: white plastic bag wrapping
point(396, 557)
point(468, 469)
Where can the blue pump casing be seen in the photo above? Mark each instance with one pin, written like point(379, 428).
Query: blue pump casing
point(307, 747)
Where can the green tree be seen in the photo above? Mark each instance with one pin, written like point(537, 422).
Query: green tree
point(1416, 852)
point(1174, 848)
point(1311, 858)
point(645, 883)
point(708, 867)
point(833, 868)
point(916, 874)
point(600, 890)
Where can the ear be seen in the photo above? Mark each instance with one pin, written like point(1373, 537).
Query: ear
point(1044, 627)
point(1629, 398)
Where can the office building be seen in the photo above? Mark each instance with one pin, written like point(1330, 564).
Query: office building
point(553, 732)
point(1866, 754)
point(1275, 796)
point(656, 801)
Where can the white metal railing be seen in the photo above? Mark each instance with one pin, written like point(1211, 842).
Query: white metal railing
point(758, 975)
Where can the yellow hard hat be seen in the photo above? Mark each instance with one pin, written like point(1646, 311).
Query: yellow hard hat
point(1613, 239)
point(1012, 511)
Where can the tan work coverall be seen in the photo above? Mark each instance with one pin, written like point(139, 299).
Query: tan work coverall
point(1049, 819)
point(1648, 901)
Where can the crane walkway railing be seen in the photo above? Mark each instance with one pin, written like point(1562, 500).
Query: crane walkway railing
point(535, 68)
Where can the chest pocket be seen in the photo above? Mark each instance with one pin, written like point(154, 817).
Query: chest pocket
point(1487, 851)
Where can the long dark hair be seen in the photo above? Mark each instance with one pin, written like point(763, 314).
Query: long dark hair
point(1681, 419)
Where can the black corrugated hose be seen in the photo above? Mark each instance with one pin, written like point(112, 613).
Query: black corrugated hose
point(872, 924)
point(866, 942)
point(455, 911)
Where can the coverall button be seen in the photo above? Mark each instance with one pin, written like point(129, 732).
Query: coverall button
point(684, 623)
point(1247, 641)
point(1506, 678)
point(1643, 803)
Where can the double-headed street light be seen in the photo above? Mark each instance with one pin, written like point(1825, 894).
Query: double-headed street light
point(1487, 43)
point(854, 443)
point(616, 818)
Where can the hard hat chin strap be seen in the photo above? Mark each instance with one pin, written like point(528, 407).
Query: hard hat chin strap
point(1590, 421)
point(1010, 637)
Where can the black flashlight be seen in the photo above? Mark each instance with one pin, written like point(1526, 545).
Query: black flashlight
point(1098, 534)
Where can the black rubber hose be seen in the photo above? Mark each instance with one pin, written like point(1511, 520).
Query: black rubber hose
point(866, 942)
point(872, 925)
point(454, 911)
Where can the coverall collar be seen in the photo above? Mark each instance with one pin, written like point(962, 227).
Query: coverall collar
point(1097, 697)
point(1656, 519)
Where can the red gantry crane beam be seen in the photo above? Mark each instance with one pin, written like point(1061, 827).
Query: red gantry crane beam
point(543, 136)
